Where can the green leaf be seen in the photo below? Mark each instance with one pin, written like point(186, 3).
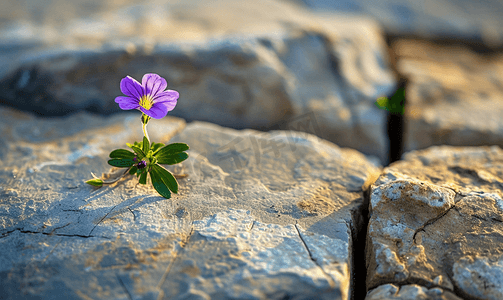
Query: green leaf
point(398, 96)
point(138, 151)
point(122, 163)
point(121, 153)
point(133, 170)
point(395, 104)
point(166, 177)
point(146, 145)
point(172, 159)
point(382, 102)
point(156, 146)
point(172, 149)
point(137, 144)
point(159, 185)
point(143, 178)
point(95, 182)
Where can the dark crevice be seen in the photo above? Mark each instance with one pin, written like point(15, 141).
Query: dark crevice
point(59, 234)
point(395, 131)
point(6, 234)
point(359, 258)
point(396, 122)
point(395, 136)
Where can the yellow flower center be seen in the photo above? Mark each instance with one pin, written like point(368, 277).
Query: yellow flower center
point(146, 102)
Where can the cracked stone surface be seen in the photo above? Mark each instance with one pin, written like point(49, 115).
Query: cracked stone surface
point(437, 222)
point(262, 65)
point(453, 79)
point(260, 215)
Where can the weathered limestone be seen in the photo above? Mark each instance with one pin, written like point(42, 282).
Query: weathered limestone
point(239, 64)
point(453, 95)
point(437, 221)
point(260, 215)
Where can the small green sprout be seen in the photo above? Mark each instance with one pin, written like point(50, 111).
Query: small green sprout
point(395, 105)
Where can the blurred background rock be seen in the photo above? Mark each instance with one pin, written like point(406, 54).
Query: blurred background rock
point(315, 66)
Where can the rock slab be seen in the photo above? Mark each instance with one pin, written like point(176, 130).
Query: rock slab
point(437, 221)
point(259, 216)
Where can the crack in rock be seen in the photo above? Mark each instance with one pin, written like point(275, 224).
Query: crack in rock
point(330, 279)
point(6, 234)
point(430, 222)
point(102, 220)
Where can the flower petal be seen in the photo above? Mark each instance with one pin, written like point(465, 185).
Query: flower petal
point(168, 98)
point(132, 88)
point(153, 84)
point(126, 102)
point(157, 111)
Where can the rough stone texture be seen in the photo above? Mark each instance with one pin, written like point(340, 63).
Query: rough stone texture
point(409, 292)
point(241, 64)
point(437, 221)
point(454, 95)
point(476, 22)
point(260, 215)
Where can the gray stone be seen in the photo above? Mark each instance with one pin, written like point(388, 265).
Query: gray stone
point(263, 65)
point(436, 220)
point(451, 99)
point(478, 23)
point(472, 273)
point(409, 292)
point(259, 216)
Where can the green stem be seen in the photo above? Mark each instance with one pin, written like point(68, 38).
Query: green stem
point(144, 121)
point(117, 179)
point(145, 133)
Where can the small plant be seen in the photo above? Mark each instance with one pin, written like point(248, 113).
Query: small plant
point(395, 105)
point(153, 101)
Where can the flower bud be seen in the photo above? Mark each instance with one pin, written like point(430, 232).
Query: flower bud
point(142, 164)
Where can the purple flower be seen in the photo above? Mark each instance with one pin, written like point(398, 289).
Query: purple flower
point(148, 97)
point(142, 164)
